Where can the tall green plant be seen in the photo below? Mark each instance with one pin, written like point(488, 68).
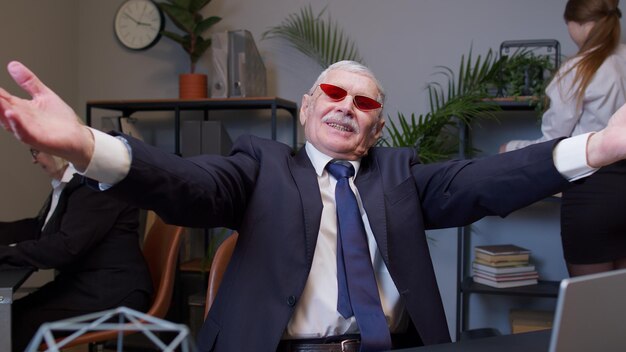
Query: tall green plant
point(185, 14)
point(424, 132)
point(322, 40)
point(473, 81)
point(435, 134)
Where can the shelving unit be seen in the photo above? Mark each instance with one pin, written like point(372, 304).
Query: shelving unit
point(542, 289)
point(193, 278)
point(129, 107)
point(466, 285)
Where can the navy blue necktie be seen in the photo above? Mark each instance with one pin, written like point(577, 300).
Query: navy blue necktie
point(358, 292)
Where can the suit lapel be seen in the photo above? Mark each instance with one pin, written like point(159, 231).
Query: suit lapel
point(370, 188)
point(41, 217)
point(308, 187)
point(52, 224)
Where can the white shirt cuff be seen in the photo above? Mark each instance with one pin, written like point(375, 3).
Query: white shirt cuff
point(570, 157)
point(111, 158)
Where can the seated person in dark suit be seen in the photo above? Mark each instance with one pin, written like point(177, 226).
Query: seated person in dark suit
point(90, 239)
point(298, 214)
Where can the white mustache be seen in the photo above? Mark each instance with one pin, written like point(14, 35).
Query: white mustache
point(342, 119)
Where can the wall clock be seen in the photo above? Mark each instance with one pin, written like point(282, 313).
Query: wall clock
point(138, 24)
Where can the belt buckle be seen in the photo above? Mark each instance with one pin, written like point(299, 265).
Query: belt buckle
point(344, 344)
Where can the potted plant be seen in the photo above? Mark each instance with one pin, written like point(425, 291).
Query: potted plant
point(185, 14)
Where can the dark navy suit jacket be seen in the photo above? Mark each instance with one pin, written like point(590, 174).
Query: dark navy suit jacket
point(92, 241)
point(271, 196)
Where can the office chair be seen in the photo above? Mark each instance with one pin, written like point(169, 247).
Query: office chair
point(160, 249)
point(218, 266)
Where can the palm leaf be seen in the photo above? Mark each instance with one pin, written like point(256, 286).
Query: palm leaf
point(459, 100)
point(322, 40)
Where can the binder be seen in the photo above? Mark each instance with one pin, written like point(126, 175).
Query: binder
point(237, 69)
point(204, 137)
point(219, 65)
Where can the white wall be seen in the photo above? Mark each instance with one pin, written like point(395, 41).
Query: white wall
point(42, 34)
point(71, 45)
point(401, 41)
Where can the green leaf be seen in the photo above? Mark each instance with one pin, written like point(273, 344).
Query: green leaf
point(322, 40)
point(185, 4)
point(181, 17)
point(197, 5)
point(201, 46)
point(206, 24)
point(186, 16)
point(187, 45)
point(459, 100)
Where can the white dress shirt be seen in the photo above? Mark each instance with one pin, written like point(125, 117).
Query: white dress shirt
point(316, 312)
point(57, 189)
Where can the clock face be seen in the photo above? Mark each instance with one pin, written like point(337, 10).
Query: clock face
point(138, 24)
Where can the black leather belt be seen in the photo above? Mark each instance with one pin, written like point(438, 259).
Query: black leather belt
point(346, 345)
point(341, 343)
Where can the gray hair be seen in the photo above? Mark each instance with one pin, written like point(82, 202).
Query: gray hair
point(354, 67)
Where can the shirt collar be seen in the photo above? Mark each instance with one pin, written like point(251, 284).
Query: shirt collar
point(67, 176)
point(320, 160)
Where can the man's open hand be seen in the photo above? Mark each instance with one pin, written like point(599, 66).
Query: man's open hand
point(44, 122)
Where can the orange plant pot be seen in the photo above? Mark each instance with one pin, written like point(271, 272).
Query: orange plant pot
point(192, 86)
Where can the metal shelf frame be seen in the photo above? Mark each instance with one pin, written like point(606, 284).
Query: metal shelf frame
point(465, 284)
point(129, 107)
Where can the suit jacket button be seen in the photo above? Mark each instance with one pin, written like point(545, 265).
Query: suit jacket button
point(291, 301)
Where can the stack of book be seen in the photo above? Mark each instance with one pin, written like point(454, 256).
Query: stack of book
point(503, 265)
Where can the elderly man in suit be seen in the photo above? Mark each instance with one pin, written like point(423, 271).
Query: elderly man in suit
point(91, 240)
point(285, 284)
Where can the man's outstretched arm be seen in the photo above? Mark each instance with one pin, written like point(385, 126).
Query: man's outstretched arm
point(47, 123)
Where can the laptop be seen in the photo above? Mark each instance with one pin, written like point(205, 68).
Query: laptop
point(591, 314)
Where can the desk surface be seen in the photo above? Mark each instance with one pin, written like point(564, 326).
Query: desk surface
point(13, 278)
point(532, 341)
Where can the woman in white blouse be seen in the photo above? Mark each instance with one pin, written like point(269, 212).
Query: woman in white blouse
point(585, 92)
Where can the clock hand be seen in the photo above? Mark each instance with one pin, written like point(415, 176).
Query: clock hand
point(139, 23)
point(132, 18)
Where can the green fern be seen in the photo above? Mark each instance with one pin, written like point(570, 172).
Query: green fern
point(319, 39)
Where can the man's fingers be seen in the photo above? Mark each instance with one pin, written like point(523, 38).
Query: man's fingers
point(25, 78)
point(4, 94)
point(8, 123)
point(4, 108)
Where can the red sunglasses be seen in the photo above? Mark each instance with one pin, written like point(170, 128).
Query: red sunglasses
point(362, 102)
